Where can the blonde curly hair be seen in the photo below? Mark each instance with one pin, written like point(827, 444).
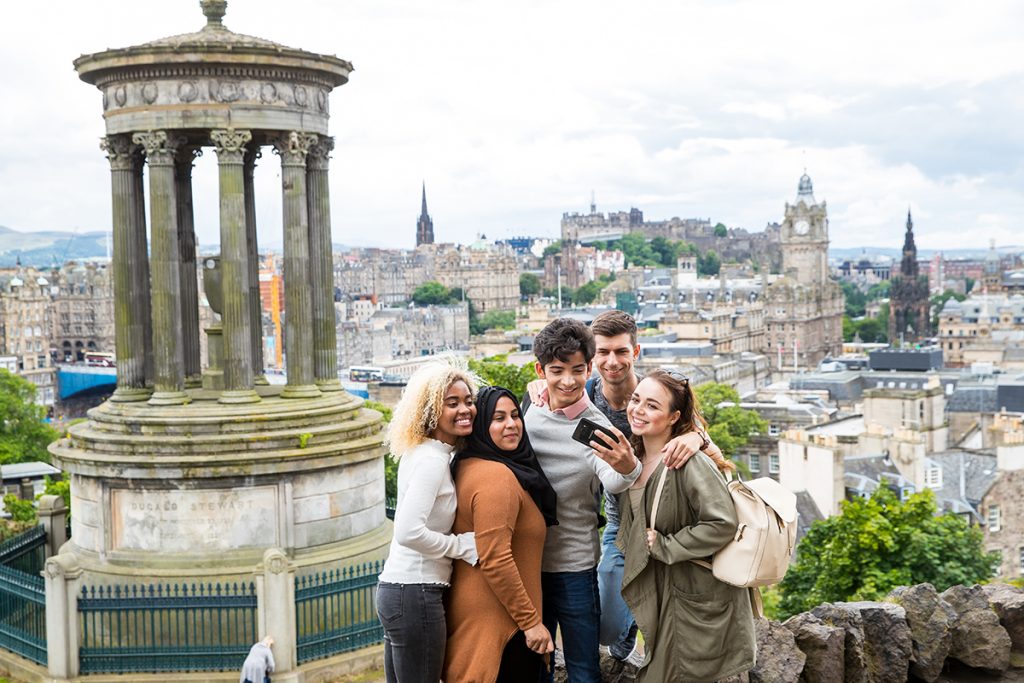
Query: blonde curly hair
point(417, 412)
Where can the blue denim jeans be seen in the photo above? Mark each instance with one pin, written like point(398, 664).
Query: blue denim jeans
point(571, 602)
point(414, 631)
point(616, 619)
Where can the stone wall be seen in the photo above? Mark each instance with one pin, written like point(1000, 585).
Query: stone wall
point(916, 633)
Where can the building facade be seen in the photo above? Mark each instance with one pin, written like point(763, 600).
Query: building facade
point(26, 327)
point(83, 310)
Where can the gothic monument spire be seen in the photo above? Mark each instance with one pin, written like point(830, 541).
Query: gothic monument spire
point(424, 226)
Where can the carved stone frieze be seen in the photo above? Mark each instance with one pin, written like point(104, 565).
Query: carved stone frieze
point(200, 89)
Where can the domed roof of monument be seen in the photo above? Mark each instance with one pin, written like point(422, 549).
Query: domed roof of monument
point(214, 43)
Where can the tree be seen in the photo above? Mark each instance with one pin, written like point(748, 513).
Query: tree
point(24, 435)
point(552, 249)
point(431, 293)
point(529, 285)
point(588, 293)
point(855, 299)
point(497, 371)
point(879, 543)
point(729, 425)
point(497, 320)
point(871, 331)
point(721, 230)
point(708, 263)
point(390, 465)
point(879, 290)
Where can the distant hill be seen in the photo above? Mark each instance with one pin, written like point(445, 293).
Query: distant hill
point(854, 253)
point(43, 248)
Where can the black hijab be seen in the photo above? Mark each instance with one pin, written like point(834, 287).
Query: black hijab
point(522, 461)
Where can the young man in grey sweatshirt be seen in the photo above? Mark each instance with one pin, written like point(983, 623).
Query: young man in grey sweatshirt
point(565, 350)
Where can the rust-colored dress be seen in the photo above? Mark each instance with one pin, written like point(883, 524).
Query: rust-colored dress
point(488, 603)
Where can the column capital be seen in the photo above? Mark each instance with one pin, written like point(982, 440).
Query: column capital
point(293, 147)
point(160, 148)
point(120, 150)
point(230, 144)
point(320, 153)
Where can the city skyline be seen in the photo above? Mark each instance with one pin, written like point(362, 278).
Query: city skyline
point(513, 116)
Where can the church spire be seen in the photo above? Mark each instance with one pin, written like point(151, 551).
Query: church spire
point(424, 226)
point(908, 267)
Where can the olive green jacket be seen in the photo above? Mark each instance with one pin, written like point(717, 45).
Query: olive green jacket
point(695, 627)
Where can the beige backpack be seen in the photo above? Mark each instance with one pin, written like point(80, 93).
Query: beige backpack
point(760, 552)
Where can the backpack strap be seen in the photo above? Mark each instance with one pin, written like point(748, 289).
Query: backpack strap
point(524, 404)
point(590, 387)
point(657, 495)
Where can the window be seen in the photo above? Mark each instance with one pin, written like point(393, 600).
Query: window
point(993, 518)
point(933, 478)
point(773, 429)
point(773, 464)
point(755, 462)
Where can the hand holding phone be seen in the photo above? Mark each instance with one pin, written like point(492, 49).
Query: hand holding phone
point(588, 430)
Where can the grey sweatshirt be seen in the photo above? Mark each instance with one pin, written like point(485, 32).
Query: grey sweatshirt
point(576, 474)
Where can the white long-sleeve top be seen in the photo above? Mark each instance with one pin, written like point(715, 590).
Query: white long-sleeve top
point(423, 546)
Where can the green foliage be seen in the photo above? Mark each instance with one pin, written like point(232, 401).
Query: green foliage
point(879, 543)
point(729, 426)
point(637, 251)
point(883, 316)
point(771, 598)
point(870, 330)
point(59, 487)
point(304, 439)
point(496, 371)
point(529, 285)
point(855, 299)
point(968, 284)
point(496, 320)
point(553, 248)
point(431, 293)
point(879, 290)
point(568, 295)
point(589, 292)
point(721, 230)
point(24, 435)
point(708, 263)
point(390, 466)
point(19, 510)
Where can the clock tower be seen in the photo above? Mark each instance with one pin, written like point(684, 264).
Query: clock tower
point(804, 306)
point(805, 237)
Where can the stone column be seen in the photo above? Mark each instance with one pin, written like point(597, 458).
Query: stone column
point(293, 147)
point(189, 275)
point(168, 356)
point(321, 267)
point(129, 340)
point(256, 323)
point(61, 575)
point(234, 267)
point(140, 274)
point(275, 595)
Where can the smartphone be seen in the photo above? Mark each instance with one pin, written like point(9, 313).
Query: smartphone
point(586, 432)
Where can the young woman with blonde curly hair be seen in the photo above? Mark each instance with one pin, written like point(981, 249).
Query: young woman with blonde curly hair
point(433, 417)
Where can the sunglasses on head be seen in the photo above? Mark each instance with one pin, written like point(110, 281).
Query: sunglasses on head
point(678, 376)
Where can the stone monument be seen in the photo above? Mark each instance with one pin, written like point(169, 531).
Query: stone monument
point(189, 471)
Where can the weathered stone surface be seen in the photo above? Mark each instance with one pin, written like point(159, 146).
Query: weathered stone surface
point(836, 614)
point(1008, 602)
point(978, 638)
point(931, 622)
point(779, 660)
point(823, 646)
point(887, 642)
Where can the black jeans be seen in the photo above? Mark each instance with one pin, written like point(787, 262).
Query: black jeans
point(414, 631)
point(519, 664)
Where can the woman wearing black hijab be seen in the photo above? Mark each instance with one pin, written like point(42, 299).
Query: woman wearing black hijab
point(495, 631)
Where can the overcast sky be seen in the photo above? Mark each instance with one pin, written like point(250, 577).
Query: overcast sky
point(514, 112)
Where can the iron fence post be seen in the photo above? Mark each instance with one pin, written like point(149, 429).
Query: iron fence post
point(61, 576)
point(53, 515)
point(275, 607)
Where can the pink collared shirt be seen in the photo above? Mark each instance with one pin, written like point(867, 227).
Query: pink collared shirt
point(572, 411)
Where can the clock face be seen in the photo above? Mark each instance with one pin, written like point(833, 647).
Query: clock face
point(801, 227)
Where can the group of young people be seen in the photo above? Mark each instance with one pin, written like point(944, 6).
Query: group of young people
point(496, 543)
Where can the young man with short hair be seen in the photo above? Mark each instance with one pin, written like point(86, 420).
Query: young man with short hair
point(565, 351)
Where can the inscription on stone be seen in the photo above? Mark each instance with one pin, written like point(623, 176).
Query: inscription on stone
point(194, 521)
